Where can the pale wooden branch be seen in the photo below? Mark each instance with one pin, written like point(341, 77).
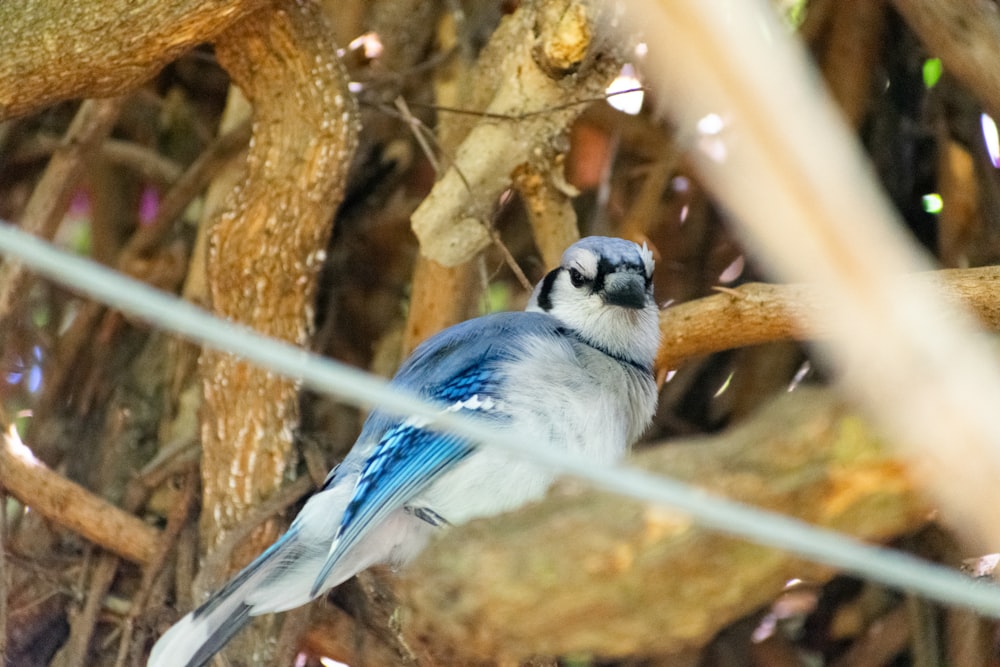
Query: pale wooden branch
point(965, 34)
point(587, 572)
point(545, 60)
point(56, 50)
point(757, 313)
point(548, 201)
point(72, 506)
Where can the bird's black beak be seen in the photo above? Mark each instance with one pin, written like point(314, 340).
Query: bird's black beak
point(625, 289)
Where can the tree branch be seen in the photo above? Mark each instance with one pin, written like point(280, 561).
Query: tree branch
point(544, 60)
point(72, 506)
point(757, 313)
point(69, 53)
point(264, 255)
point(264, 250)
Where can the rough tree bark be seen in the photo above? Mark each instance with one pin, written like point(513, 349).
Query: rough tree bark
point(757, 313)
point(265, 252)
point(84, 49)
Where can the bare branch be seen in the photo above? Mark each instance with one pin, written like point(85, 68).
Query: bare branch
point(72, 506)
point(757, 313)
point(544, 56)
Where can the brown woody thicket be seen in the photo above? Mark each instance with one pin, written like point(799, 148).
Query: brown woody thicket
point(218, 150)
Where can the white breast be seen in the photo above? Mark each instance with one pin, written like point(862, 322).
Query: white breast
point(596, 408)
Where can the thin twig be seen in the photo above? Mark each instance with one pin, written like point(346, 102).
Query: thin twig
point(509, 259)
point(419, 131)
point(74, 652)
point(177, 518)
point(527, 114)
point(54, 190)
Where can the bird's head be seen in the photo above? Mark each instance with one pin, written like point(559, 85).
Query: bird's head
point(603, 292)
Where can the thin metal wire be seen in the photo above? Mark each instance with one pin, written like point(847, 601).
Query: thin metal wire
point(892, 568)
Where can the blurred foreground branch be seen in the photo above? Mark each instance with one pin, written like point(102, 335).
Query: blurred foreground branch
point(589, 572)
point(916, 364)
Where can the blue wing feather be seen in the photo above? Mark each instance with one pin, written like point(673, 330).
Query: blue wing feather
point(448, 370)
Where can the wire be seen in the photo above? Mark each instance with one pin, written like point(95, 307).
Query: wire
point(892, 568)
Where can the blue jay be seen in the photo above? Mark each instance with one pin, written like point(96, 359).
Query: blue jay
point(574, 372)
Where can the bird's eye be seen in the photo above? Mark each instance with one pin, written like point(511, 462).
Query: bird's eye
point(577, 278)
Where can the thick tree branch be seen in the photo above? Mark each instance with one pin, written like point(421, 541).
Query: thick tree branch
point(265, 250)
point(757, 313)
point(264, 256)
point(588, 572)
point(56, 50)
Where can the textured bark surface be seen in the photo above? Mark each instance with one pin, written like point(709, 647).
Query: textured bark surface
point(98, 49)
point(267, 246)
point(264, 256)
point(71, 505)
point(756, 313)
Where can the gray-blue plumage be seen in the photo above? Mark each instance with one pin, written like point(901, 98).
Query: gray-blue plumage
point(574, 373)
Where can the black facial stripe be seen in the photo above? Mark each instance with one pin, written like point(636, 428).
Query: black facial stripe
point(545, 294)
point(605, 266)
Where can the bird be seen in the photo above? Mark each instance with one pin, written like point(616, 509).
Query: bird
point(573, 371)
